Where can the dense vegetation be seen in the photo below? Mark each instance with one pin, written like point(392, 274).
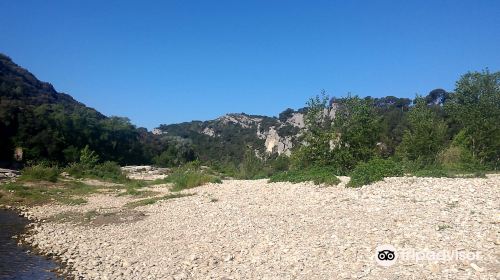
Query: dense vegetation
point(230, 141)
point(441, 134)
point(52, 126)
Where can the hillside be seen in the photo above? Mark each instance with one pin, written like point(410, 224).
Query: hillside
point(48, 125)
point(227, 137)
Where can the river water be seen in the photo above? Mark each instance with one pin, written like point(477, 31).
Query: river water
point(15, 262)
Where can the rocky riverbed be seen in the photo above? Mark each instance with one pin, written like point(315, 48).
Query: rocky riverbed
point(257, 230)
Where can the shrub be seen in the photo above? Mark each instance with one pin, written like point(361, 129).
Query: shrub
point(281, 163)
point(187, 179)
point(475, 106)
point(425, 137)
point(318, 175)
point(252, 167)
point(374, 170)
point(109, 171)
point(76, 170)
point(438, 171)
point(226, 168)
point(88, 157)
point(458, 158)
point(40, 173)
point(432, 171)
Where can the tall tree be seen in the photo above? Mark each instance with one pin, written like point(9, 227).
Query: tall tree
point(426, 134)
point(475, 105)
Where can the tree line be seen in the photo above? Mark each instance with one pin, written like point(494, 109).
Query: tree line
point(456, 130)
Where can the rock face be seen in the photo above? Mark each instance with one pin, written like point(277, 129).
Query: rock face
point(266, 135)
point(255, 230)
point(277, 144)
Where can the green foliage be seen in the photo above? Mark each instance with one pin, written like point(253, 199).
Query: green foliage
point(426, 136)
point(40, 173)
point(350, 138)
point(109, 171)
point(318, 175)
point(392, 111)
point(317, 136)
point(280, 163)
point(50, 125)
point(436, 171)
point(178, 151)
point(475, 106)
point(228, 144)
point(458, 158)
point(190, 176)
point(357, 130)
point(251, 167)
point(88, 157)
point(62, 192)
point(229, 169)
point(133, 187)
point(373, 171)
point(440, 171)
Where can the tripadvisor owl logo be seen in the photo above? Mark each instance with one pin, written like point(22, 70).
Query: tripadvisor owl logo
point(385, 255)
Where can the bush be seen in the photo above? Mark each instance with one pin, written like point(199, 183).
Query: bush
point(439, 171)
point(425, 137)
point(318, 175)
point(226, 168)
point(432, 171)
point(109, 171)
point(459, 158)
point(187, 179)
point(88, 157)
point(281, 163)
point(252, 167)
point(374, 170)
point(40, 173)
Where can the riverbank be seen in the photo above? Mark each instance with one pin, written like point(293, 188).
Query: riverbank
point(254, 229)
point(18, 260)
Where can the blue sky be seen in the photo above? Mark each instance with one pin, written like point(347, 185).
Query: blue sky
point(172, 61)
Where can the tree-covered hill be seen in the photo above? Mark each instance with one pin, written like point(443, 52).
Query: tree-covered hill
point(52, 126)
point(227, 138)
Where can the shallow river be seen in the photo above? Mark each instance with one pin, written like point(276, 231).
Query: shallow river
point(15, 262)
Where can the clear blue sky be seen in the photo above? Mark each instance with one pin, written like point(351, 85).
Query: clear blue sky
point(172, 61)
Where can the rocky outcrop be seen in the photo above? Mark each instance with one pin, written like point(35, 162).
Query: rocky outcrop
point(276, 143)
point(243, 120)
point(145, 172)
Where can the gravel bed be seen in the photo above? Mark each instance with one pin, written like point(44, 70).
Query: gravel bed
point(260, 230)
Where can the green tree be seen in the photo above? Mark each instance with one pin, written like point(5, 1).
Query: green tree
point(88, 157)
point(316, 138)
point(357, 130)
point(475, 105)
point(340, 135)
point(426, 135)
